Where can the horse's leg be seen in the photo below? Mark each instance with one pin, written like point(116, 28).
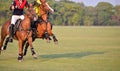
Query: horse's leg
point(20, 56)
point(49, 29)
point(5, 45)
point(1, 43)
point(3, 35)
point(32, 49)
point(55, 39)
point(46, 34)
point(26, 47)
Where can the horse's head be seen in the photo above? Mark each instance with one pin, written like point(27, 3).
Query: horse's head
point(31, 12)
point(46, 7)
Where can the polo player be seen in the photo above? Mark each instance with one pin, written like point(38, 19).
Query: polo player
point(17, 6)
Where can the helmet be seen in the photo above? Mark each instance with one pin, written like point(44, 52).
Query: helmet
point(38, 1)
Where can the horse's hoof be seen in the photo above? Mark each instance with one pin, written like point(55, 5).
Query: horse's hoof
point(35, 56)
point(56, 42)
point(3, 48)
point(20, 60)
point(48, 41)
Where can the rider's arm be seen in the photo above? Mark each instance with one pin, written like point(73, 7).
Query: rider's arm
point(27, 4)
point(12, 7)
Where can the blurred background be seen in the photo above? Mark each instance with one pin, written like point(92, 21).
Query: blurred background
point(76, 12)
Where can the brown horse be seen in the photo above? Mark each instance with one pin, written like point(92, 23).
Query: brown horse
point(23, 33)
point(45, 25)
point(44, 29)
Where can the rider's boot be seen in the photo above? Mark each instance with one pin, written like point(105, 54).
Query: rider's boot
point(11, 30)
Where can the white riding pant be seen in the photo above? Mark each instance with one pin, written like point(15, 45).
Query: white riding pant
point(15, 18)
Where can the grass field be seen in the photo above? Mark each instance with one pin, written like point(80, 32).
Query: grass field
point(79, 49)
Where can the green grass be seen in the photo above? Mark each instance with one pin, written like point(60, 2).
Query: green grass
point(79, 49)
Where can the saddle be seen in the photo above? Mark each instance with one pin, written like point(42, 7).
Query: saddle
point(17, 24)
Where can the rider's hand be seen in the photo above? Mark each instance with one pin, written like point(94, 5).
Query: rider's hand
point(12, 7)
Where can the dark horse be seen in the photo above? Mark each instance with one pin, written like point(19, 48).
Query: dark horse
point(23, 32)
point(43, 26)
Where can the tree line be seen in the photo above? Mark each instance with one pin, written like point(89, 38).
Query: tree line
point(68, 13)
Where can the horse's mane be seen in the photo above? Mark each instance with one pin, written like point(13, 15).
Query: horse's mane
point(27, 13)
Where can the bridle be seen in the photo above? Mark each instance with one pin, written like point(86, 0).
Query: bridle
point(32, 12)
point(47, 11)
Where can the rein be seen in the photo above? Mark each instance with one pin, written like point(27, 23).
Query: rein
point(43, 5)
point(30, 18)
point(22, 29)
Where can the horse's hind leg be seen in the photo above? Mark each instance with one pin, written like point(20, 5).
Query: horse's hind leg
point(33, 53)
point(53, 36)
point(49, 30)
point(46, 35)
point(5, 45)
point(26, 47)
point(2, 40)
point(1, 43)
point(55, 39)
